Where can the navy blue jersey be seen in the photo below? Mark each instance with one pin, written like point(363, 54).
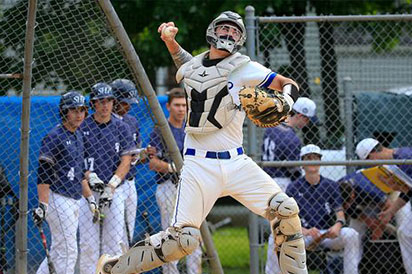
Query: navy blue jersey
point(318, 203)
point(366, 193)
point(404, 153)
point(157, 142)
point(64, 151)
point(105, 144)
point(134, 128)
point(280, 143)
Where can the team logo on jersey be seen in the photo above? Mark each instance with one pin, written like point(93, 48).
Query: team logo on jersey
point(117, 147)
point(86, 133)
point(203, 74)
point(68, 142)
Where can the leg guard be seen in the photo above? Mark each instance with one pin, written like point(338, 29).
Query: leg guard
point(163, 247)
point(287, 231)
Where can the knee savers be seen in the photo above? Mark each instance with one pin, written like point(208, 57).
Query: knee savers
point(287, 231)
point(163, 247)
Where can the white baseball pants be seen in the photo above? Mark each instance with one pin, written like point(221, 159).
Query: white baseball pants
point(130, 192)
point(112, 233)
point(63, 219)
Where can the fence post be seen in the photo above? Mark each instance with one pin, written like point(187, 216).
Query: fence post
point(250, 21)
point(21, 234)
point(348, 105)
point(141, 77)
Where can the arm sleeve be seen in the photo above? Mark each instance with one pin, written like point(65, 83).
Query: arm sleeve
point(336, 201)
point(45, 173)
point(48, 149)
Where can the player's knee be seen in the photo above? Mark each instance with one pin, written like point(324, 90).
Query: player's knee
point(282, 206)
point(350, 234)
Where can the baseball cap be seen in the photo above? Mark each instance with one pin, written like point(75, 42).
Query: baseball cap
point(309, 149)
point(364, 147)
point(306, 107)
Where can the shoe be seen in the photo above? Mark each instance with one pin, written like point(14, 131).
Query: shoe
point(106, 263)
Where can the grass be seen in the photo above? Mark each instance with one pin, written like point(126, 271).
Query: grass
point(232, 246)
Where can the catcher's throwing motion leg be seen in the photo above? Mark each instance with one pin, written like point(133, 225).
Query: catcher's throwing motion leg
point(287, 231)
point(165, 246)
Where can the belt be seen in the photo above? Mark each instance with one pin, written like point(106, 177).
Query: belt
point(223, 155)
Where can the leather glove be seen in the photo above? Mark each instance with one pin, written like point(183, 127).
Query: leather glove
point(39, 214)
point(96, 184)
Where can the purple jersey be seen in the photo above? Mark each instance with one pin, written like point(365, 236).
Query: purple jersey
point(366, 193)
point(134, 128)
point(157, 142)
point(404, 153)
point(317, 203)
point(64, 151)
point(105, 144)
point(280, 144)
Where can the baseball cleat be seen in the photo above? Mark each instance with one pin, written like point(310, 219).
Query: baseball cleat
point(106, 263)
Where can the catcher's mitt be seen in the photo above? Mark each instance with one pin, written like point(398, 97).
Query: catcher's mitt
point(265, 108)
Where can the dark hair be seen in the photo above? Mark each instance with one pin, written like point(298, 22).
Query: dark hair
point(175, 93)
point(346, 189)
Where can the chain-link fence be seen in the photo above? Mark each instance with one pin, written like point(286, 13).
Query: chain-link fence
point(73, 50)
point(357, 71)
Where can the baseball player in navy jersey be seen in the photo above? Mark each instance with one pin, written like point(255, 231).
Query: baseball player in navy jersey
point(59, 180)
point(167, 177)
point(125, 93)
point(215, 164)
point(321, 212)
point(362, 201)
point(282, 143)
point(108, 145)
point(372, 149)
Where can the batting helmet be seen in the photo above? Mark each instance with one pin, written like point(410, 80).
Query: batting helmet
point(71, 99)
point(101, 91)
point(124, 91)
point(223, 43)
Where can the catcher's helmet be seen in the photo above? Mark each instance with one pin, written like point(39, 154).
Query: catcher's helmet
point(124, 91)
point(101, 91)
point(71, 99)
point(223, 43)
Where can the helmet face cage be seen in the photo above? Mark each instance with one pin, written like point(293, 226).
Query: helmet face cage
point(125, 91)
point(71, 99)
point(225, 42)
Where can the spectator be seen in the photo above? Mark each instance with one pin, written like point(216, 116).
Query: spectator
point(108, 145)
point(321, 212)
point(281, 143)
point(167, 177)
point(371, 149)
point(362, 201)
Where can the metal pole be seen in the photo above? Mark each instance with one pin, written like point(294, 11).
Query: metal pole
point(250, 21)
point(334, 163)
point(21, 234)
point(348, 100)
point(141, 77)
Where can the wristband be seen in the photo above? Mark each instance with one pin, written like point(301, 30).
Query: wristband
point(291, 90)
point(115, 181)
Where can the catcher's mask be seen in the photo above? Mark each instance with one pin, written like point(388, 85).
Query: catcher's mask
point(227, 32)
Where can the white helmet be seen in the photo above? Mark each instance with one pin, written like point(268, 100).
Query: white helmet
point(223, 43)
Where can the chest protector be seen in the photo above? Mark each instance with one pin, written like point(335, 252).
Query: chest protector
point(210, 105)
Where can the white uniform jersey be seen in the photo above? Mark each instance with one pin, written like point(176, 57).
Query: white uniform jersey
point(231, 135)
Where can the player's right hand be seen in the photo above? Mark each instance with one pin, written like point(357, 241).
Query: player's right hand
point(39, 214)
point(167, 36)
point(95, 183)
